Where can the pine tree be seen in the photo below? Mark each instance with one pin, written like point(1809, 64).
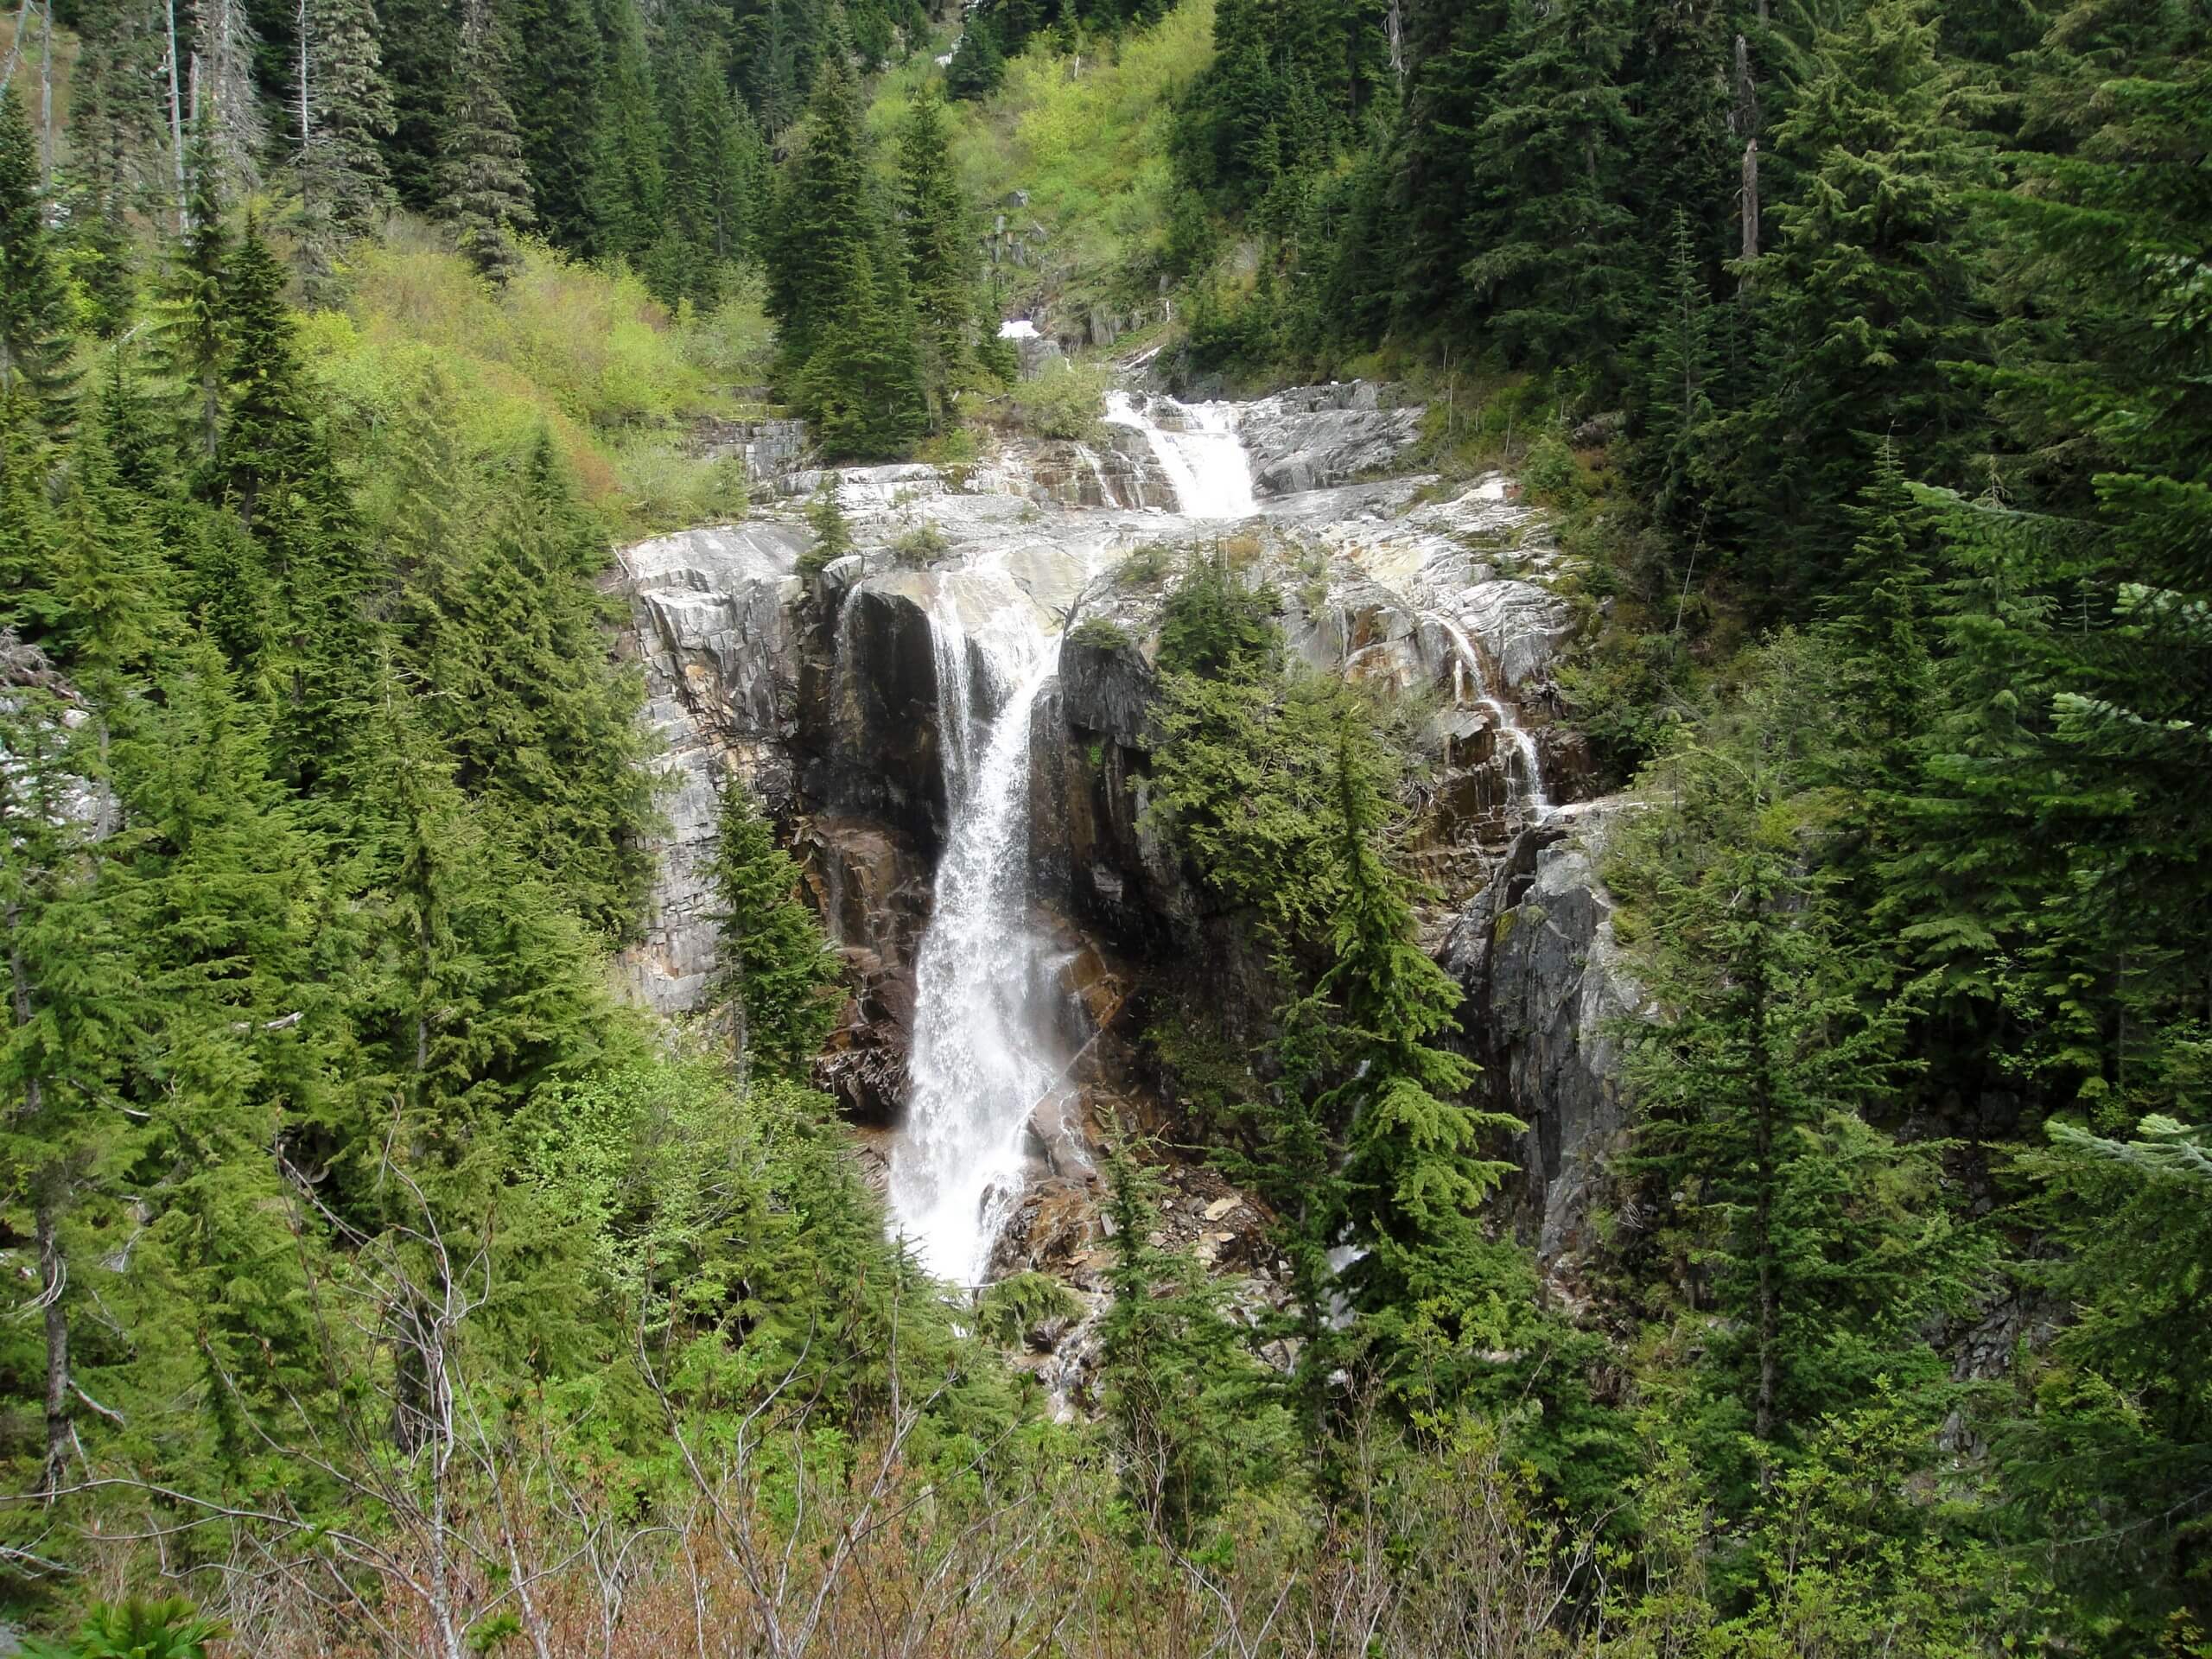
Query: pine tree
point(1551, 272)
point(346, 111)
point(419, 44)
point(628, 185)
point(940, 255)
point(1867, 295)
point(486, 191)
point(224, 47)
point(559, 71)
point(779, 978)
point(35, 347)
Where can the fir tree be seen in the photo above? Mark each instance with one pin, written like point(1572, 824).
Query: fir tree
point(1413, 1163)
point(347, 112)
point(977, 66)
point(224, 49)
point(1552, 270)
point(1866, 296)
point(940, 255)
point(543, 733)
point(1674, 450)
point(559, 71)
point(1191, 1408)
point(193, 342)
point(486, 191)
point(274, 471)
point(628, 184)
point(419, 42)
point(838, 291)
point(34, 339)
point(779, 978)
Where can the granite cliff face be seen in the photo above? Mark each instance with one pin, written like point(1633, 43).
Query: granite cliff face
point(836, 698)
point(1547, 993)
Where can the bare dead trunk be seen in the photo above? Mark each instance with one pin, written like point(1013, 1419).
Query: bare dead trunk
point(46, 96)
point(52, 1276)
point(1751, 199)
point(176, 124)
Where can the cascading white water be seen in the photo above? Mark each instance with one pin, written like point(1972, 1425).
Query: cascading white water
point(1203, 459)
point(983, 1053)
point(1467, 674)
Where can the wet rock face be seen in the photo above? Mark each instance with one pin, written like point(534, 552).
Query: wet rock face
point(875, 752)
point(871, 888)
point(711, 622)
point(1310, 437)
point(1545, 987)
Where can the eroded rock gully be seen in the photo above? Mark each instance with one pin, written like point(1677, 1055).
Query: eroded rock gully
point(859, 704)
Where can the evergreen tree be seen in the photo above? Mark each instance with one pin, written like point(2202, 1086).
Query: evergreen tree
point(978, 67)
point(224, 49)
point(420, 46)
point(1867, 295)
point(940, 255)
point(1674, 453)
point(779, 978)
point(347, 109)
point(1191, 1409)
point(837, 289)
point(35, 347)
point(117, 133)
point(1825, 1252)
point(1413, 1164)
point(273, 470)
point(1552, 273)
point(485, 190)
point(192, 341)
point(558, 74)
point(628, 185)
point(833, 537)
point(542, 731)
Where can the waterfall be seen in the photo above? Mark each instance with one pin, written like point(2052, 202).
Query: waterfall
point(1467, 675)
point(983, 1052)
point(1203, 459)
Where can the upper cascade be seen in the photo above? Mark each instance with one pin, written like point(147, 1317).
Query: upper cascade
point(1199, 451)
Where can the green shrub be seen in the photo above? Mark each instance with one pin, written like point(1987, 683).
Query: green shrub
point(1549, 474)
point(1098, 634)
point(1063, 402)
point(919, 548)
point(1014, 1307)
point(1149, 563)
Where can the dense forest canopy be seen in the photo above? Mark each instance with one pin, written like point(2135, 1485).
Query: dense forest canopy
point(384, 1281)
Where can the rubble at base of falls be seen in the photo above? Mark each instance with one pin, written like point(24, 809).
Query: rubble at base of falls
point(828, 696)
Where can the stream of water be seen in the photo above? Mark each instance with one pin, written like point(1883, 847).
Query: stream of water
point(986, 1045)
point(1200, 453)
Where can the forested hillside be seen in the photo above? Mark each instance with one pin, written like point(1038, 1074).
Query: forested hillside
point(1827, 379)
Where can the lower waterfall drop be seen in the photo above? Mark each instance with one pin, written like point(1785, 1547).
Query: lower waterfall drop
point(983, 1052)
